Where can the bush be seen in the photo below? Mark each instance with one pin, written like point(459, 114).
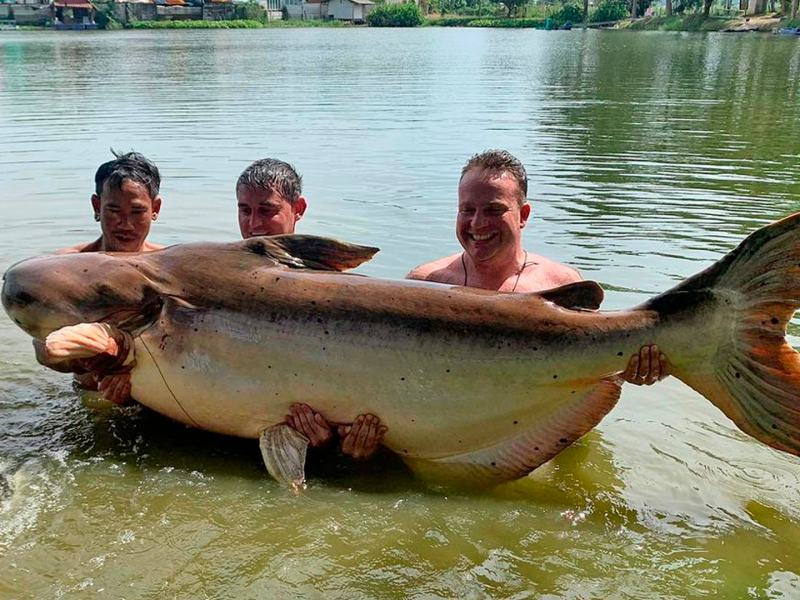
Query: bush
point(395, 15)
point(570, 13)
point(507, 23)
point(249, 11)
point(610, 11)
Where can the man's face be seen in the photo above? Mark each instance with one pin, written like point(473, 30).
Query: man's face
point(126, 214)
point(490, 220)
point(264, 212)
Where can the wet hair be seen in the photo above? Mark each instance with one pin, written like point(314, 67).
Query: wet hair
point(272, 175)
point(499, 162)
point(130, 166)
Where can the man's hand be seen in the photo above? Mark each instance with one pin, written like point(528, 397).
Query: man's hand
point(310, 424)
point(647, 367)
point(361, 439)
point(115, 388)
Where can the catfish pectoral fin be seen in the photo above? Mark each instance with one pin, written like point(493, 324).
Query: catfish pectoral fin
point(97, 347)
point(284, 452)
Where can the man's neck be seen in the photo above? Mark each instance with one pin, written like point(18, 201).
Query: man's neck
point(493, 274)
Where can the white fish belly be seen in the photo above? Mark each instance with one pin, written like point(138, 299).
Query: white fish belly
point(226, 373)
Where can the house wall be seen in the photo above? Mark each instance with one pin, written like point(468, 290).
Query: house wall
point(135, 11)
point(294, 8)
point(341, 9)
point(179, 13)
point(30, 14)
point(314, 10)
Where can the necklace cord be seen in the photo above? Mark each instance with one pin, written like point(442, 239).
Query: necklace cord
point(519, 273)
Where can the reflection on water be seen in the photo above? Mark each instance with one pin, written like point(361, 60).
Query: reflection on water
point(649, 156)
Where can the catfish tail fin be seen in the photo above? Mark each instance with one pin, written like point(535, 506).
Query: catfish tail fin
point(754, 375)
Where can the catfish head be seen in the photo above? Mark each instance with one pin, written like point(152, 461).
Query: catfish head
point(44, 294)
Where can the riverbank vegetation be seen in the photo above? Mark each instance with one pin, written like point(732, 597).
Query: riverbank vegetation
point(233, 24)
point(673, 15)
point(396, 15)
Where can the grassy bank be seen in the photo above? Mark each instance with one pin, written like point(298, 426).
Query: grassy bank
point(484, 22)
point(680, 23)
point(235, 24)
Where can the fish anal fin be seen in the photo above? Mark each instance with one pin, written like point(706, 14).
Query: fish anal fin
point(587, 295)
point(516, 457)
point(310, 252)
point(284, 452)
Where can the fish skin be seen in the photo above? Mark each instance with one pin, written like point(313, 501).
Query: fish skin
point(472, 384)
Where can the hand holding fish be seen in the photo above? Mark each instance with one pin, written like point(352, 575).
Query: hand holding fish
point(312, 425)
point(115, 388)
point(648, 367)
point(361, 439)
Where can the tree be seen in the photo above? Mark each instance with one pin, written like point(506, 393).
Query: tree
point(669, 8)
point(512, 6)
point(794, 9)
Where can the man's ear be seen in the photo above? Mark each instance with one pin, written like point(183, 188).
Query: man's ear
point(299, 208)
point(156, 205)
point(96, 203)
point(524, 213)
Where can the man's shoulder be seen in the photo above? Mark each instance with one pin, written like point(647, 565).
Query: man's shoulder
point(85, 247)
point(547, 274)
point(442, 270)
point(555, 269)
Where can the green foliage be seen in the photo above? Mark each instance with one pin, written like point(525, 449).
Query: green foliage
point(506, 23)
point(105, 17)
point(250, 11)
point(512, 6)
point(693, 22)
point(682, 6)
point(612, 10)
point(448, 7)
point(450, 22)
point(395, 15)
point(569, 13)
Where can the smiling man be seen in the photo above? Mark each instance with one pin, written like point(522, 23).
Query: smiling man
point(493, 210)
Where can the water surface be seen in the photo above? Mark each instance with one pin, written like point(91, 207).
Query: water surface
point(649, 155)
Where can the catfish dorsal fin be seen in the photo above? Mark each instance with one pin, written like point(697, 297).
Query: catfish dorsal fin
point(587, 295)
point(310, 251)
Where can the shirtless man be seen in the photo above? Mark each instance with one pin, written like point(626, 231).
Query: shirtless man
point(126, 202)
point(269, 195)
point(492, 212)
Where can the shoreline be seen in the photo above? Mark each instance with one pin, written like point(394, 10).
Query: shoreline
point(687, 23)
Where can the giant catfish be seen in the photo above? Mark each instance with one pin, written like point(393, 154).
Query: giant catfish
point(473, 385)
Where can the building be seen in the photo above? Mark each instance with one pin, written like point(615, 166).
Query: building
point(349, 10)
point(74, 14)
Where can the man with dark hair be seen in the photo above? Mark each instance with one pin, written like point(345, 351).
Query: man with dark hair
point(126, 202)
point(493, 210)
point(269, 195)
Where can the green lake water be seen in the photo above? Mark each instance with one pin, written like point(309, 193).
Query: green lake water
point(650, 155)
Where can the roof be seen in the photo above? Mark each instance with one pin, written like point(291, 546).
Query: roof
point(73, 4)
point(365, 2)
